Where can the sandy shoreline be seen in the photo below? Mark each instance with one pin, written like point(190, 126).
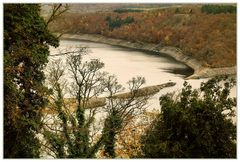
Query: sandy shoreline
point(199, 70)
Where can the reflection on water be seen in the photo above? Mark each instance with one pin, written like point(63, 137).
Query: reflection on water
point(126, 63)
point(182, 71)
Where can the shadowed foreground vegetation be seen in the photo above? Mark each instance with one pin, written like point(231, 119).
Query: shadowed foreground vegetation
point(196, 123)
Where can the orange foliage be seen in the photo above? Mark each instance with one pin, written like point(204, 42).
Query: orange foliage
point(128, 141)
point(209, 38)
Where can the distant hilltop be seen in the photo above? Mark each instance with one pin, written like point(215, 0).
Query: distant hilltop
point(105, 7)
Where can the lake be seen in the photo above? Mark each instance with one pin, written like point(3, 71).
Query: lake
point(126, 63)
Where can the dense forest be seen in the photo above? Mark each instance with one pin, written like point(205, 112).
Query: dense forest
point(40, 122)
point(204, 32)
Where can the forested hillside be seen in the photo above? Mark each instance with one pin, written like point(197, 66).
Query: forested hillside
point(91, 115)
point(207, 33)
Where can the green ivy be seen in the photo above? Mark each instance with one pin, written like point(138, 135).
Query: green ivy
point(196, 125)
point(26, 50)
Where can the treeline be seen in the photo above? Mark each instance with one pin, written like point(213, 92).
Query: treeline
point(209, 38)
point(118, 22)
point(216, 9)
point(192, 124)
point(123, 10)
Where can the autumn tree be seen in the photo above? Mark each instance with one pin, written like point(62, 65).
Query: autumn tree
point(198, 124)
point(198, 35)
point(71, 135)
point(129, 139)
point(121, 109)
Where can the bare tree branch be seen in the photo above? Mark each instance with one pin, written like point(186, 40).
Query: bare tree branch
point(57, 11)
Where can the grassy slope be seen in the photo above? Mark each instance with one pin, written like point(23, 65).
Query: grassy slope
point(208, 38)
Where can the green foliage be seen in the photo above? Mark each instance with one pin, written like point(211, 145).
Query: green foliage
point(124, 10)
point(118, 22)
point(57, 143)
point(128, 20)
point(111, 127)
point(75, 137)
point(177, 11)
point(197, 125)
point(216, 9)
point(26, 44)
point(73, 130)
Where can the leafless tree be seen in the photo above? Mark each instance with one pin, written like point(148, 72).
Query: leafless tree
point(66, 130)
point(121, 109)
point(56, 11)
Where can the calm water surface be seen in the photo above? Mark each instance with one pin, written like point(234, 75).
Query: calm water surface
point(126, 63)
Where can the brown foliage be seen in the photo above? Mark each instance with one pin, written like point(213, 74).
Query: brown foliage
point(210, 38)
